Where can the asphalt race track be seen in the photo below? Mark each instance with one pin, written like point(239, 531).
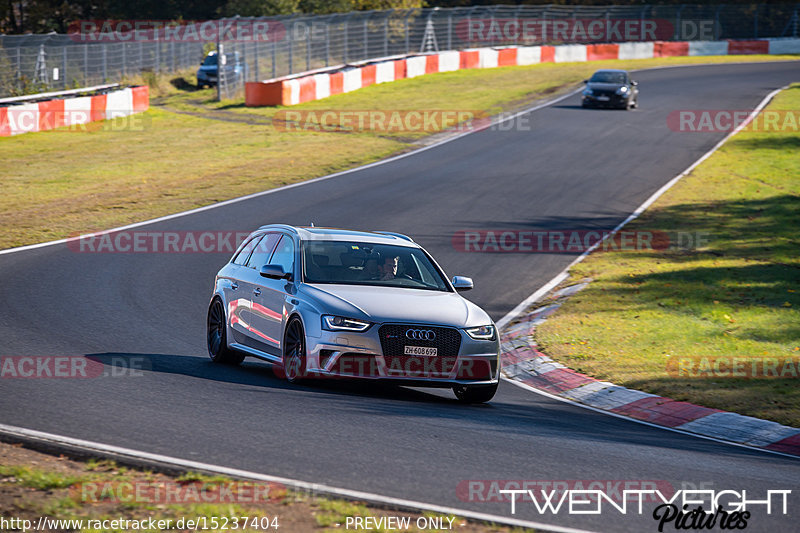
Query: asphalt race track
point(574, 169)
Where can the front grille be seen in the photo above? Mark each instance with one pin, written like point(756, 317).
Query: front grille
point(604, 93)
point(394, 340)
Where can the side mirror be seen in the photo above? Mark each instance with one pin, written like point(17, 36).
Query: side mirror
point(585, 81)
point(634, 83)
point(461, 283)
point(275, 272)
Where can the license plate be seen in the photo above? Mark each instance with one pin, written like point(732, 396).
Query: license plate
point(603, 98)
point(420, 350)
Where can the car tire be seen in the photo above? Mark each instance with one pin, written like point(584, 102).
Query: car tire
point(217, 336)
point(294, 352)
point(475, 393)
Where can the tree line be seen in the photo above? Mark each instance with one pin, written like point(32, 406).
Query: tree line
point(43, 16)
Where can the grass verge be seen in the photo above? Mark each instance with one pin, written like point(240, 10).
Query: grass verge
point(189, 151)
point(34, 485)
point(691, 323)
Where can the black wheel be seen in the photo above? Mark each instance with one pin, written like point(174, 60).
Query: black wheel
point(475, 393)
point(216, 336)
point(294, 352)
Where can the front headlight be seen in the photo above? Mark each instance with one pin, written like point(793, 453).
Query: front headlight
point(622, 90)
point(340, 323)
point(482, 333)
point(587, 92)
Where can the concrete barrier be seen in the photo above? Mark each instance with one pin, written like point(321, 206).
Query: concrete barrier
point(290, 90)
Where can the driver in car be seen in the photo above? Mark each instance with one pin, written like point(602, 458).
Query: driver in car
point(389, 267)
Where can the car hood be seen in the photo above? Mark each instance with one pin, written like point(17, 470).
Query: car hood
point(392, 304)
point(604, 86)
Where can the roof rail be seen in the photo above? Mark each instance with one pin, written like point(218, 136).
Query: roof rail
point(286, 227)
point(398, 235)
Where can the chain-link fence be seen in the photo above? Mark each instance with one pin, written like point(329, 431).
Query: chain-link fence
point(279, 46)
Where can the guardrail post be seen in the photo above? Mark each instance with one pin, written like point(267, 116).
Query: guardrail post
point(64, 65)
point(308, 49)
point(344, 29)
point(794, 23)
point(450, 31)
point(219, 62)
point(366, 38)
point(291, 51)
point(257, 57)
point(755, 23)
point(408, 43)
point(274, 56)
point(386, 32)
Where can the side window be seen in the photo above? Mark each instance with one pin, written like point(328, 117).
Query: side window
point(262, 251)
point(244, 253)
point(284, 254)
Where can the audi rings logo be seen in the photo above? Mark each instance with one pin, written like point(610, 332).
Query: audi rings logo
point(421, 334)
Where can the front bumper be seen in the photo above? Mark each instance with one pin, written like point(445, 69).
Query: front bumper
point(350, 355)
point(614, 100)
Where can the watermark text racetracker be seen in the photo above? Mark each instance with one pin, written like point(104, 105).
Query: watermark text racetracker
point(72, 366)
point(24, 119)
point(109, 30)
point(726, 120)
point(153, 242)
point(178, 492)
point(716, 367)
point(575, 241)
point(398, 120)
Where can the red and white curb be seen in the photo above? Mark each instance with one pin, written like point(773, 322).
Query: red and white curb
point(524, 363)
point(318, 84)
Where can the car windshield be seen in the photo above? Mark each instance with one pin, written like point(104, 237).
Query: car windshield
point(210, 61)
point(358, 263)
point(608, 77)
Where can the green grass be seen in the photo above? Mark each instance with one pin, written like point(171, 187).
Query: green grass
point(189, 151)
point(735, 297)
point(37, 478)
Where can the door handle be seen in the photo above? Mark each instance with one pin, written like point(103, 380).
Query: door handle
point(234, 285)
point(257, 292)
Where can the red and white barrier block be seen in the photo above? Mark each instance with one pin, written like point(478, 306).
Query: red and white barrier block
point(55, 113)
point(308, 86)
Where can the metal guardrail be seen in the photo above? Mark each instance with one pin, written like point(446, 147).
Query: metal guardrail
point(39, 96)
point(299, 43)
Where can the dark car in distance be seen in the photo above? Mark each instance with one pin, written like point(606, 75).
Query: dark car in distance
point(610, 88)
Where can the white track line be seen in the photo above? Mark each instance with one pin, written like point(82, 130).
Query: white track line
point(623, 417)
point(564, 274)
point(302, 183)
point(300, 485)
point(561, 276)
point(368, 497)
point(363, 167)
